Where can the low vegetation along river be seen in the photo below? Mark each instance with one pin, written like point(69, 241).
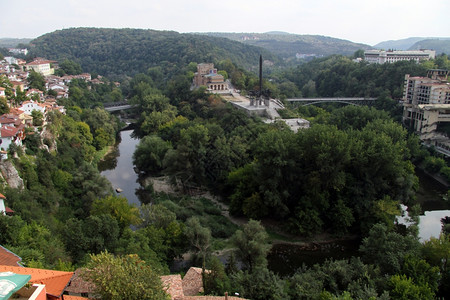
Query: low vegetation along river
point(118, 168)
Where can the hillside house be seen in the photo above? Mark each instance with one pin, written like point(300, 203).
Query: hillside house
point(28, 106)
point(41, 66)
point(4, 210)
point(46, 284)
point(11, 135)
point(7, 258)
point(2, 92)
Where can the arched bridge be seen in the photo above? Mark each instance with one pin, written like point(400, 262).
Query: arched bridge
point(115, 106)
point(351, 101)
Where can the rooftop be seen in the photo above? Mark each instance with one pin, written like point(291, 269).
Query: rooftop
point(55, 281)
point(7, 258)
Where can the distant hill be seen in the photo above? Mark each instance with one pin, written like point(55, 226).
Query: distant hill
point(130, 51)
point(439, 45)
point(410, 44)
point(287, 45)
point(11, 42)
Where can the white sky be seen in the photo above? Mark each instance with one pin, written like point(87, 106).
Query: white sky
point(359, 21)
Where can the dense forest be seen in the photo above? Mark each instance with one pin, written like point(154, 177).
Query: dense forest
point(288, 45)
point(346, 175)
point(119, 52)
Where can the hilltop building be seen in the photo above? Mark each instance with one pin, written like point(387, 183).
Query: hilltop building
point(392, 56)
point(207, 75)
point(426, 104)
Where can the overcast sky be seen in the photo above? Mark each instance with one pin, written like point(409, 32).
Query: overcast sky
point(361, 21)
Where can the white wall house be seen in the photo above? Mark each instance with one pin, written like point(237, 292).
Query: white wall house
point(28, 106)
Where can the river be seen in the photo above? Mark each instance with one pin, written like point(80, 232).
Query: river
point(118, 168)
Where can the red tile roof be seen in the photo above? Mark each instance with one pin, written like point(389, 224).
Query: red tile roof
point(8, 258)
point(78, 285)
point(55, 281)
point(173, 286)
point(69, 297)
point(8, 131)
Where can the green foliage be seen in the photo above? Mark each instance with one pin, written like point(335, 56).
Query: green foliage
point(388, 249)
point(127, 277)
point(118, 52)
point(118, 208)
point(36, 81)
point(252, 245)
point(70, 67)
point(216, 282)
point(38, 118)
point(259, 284)
point(149, 154)
point(403, 288)
point(199, 238)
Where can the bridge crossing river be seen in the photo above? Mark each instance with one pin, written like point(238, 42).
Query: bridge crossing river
point(352, 101)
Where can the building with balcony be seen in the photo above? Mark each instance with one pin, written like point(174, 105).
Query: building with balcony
point(426, 104)
point(381, 56)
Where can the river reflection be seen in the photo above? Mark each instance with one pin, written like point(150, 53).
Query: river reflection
point(118, 167)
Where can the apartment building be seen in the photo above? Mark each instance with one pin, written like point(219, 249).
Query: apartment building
point(426, 104)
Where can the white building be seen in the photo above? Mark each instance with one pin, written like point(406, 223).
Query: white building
point(381, 56)
point(426, 103)
point(28, 106)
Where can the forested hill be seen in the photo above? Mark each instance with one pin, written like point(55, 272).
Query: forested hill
point(129, 51)
point(288, 45)
point(439, 45)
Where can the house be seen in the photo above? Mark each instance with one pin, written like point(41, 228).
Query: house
point(189, 287)
point(41, 66)
point(173, 286)
point(28, 106)
point(30, 93)
point(2, 92)
point(50, 281)
point(7, 258)
point(193, 281)
point(78, 287)
point(17, 85)
point(10, 135)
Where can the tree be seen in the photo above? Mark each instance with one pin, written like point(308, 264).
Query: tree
point(4, 108)
point(123, 277)
point(261, 284)
point(199, 237)
point(149, 154)
point(38, 118)
point(388, 249)
point(117, 207)
point(36, 80)
point(70, 67)
point(216, 282)
point(252, 246)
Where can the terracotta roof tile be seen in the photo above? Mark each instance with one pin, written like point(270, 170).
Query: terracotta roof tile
point(173, 286)
point(8, 258)
point(78, 285)
point(55, 281)
point(70, 297)
point(211, 298)
point(193, 282)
